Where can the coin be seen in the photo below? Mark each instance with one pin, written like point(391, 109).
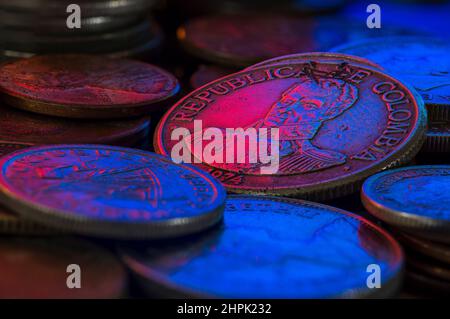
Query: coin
point(11, 224)
point(437, 137)
point(434, 250)
point(415, 199)
point(58, 25)
point(42, 42)
point(240, 40)
point(423, 62)
point(271, 247)
point(88, 7)
point(86, 86)
point(109, 191)
point(206, 74)
point(39, 268)
point(26, 128)
point(338, 124)
point(322, 56)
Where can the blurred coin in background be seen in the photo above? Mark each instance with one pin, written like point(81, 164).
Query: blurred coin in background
point(240, 40)
point(208, 73)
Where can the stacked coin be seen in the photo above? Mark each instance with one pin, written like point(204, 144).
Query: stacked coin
point(115, 28)
point(424, 63)
point(415, 201)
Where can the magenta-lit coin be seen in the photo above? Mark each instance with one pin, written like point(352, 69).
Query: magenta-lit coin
point(86, 86)
point(108, 191)
point(336, 123)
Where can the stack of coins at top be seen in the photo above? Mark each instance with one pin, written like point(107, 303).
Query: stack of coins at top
point(113, 28)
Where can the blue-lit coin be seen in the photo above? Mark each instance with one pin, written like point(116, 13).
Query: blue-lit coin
point(107, 191)
point(423, 62)
point(415, 199)
point(271, 247)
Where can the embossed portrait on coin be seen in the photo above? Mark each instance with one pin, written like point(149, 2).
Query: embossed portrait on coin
point(299, 114)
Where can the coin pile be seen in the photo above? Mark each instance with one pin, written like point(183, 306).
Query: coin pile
point(82, 190)
point(415, 201)
point(113, 28)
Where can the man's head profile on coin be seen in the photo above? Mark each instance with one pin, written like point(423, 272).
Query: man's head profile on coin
point(299, 115)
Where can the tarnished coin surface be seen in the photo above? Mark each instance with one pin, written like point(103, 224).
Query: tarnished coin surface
point(337, 124)
point(20, 127)
point(423, 62)
point(37, 268)
point(86, 86)
point(269, 247)
point(109, 191)
point(415, 199)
